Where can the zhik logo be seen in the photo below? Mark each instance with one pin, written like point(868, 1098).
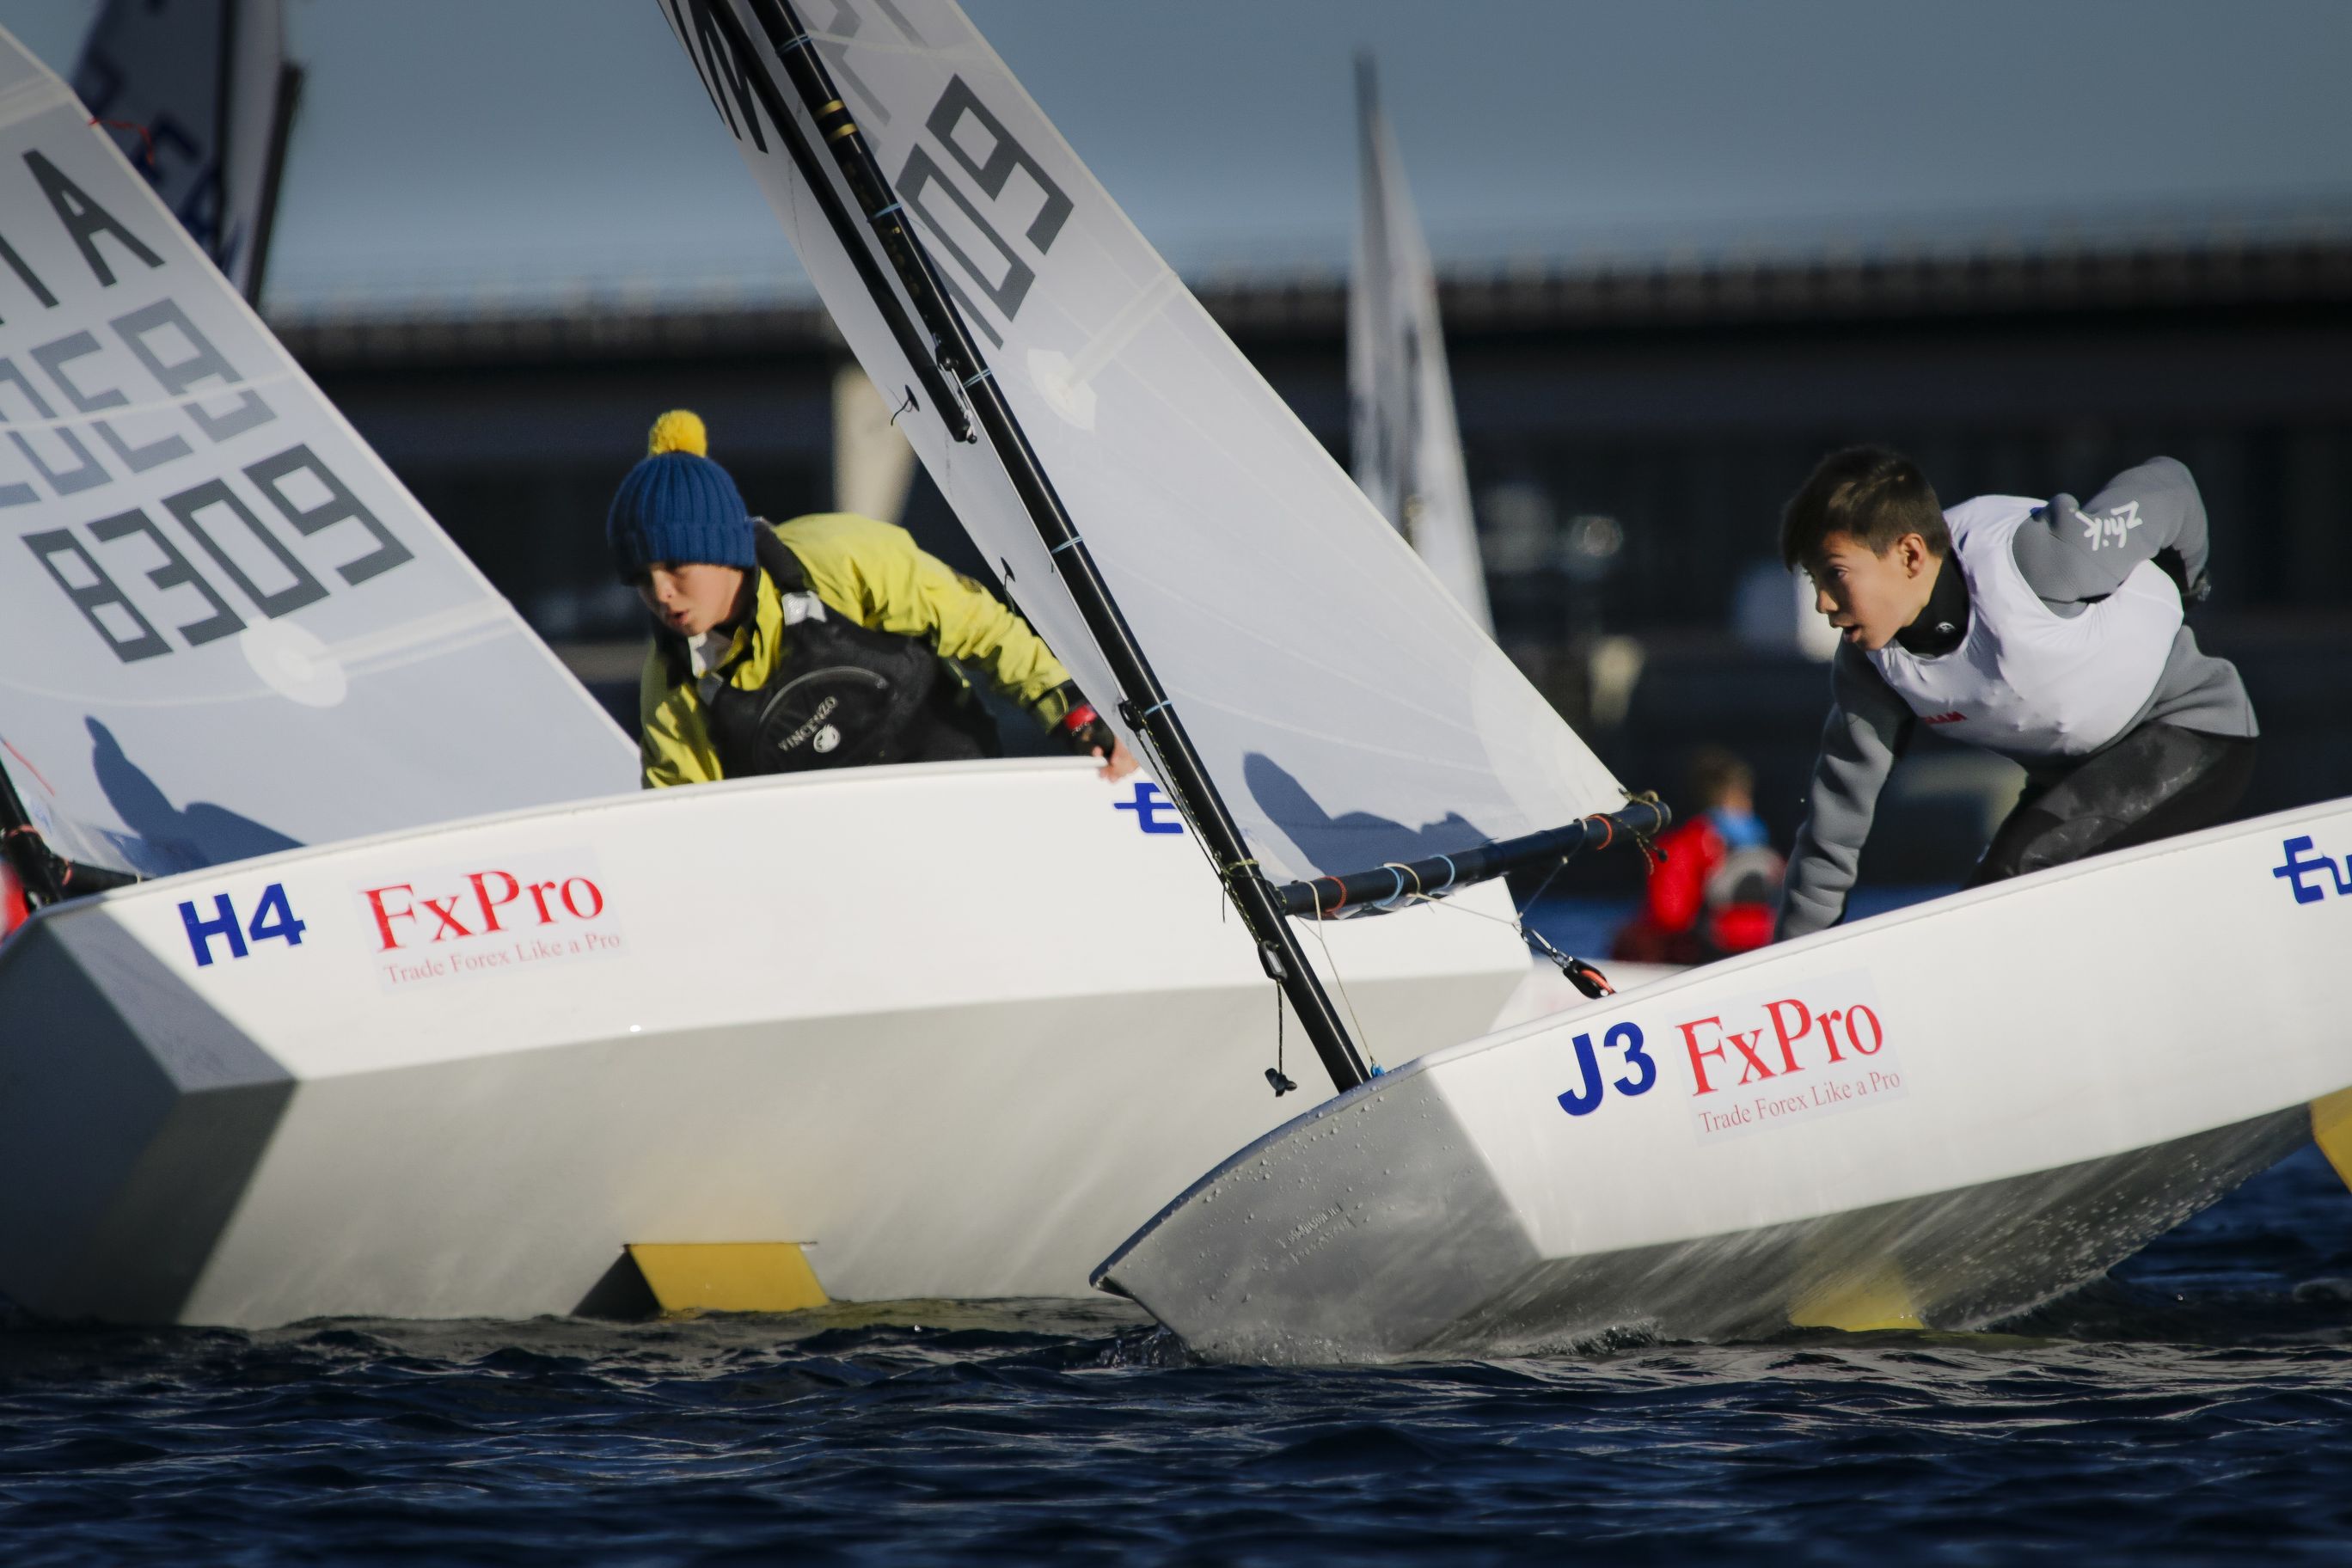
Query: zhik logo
point(2109, 528)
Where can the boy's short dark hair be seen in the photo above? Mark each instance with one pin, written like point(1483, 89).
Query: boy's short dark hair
point(1870, 494)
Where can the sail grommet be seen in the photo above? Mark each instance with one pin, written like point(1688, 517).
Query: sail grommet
point(293, 662)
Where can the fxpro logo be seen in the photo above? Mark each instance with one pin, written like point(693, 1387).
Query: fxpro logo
point(1765, 1061)
point(1790, 1055)
point(499, 918)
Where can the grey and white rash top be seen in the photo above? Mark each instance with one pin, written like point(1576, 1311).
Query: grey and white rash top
point(2074, 557)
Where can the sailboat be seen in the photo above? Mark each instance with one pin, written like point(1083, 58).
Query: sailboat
point(206, 89)
point(1938, 1117)
point(420, 1008)
point(1407, 444)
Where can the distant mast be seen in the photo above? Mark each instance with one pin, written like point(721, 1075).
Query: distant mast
point(1407, 444)
point(200, 96)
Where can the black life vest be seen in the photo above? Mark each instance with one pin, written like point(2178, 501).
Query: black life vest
point(841, 696)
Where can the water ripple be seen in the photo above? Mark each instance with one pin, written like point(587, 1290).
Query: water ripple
point(2194, 1408)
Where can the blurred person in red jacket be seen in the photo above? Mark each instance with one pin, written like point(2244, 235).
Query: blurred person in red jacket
point(13, 911)
point(1716, 888)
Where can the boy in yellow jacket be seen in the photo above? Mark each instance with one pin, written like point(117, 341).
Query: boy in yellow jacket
point(825, 641)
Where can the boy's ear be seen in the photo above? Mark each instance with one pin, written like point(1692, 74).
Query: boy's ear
point(1912, 553)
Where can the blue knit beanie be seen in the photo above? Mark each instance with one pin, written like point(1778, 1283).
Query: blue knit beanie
point(677, 506)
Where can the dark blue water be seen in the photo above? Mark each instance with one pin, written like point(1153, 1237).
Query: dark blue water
point(2195, 1407)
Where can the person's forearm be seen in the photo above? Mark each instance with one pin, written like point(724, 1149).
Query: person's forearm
point(1867, 729)
point(2075, 551)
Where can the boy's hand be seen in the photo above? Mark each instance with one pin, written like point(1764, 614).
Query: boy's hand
point(1119, 763)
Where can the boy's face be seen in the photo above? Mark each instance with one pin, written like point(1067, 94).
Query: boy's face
point(691, 597)
point(1870, 597)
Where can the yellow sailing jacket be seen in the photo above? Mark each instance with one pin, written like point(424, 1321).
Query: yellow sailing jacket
point(874, 573)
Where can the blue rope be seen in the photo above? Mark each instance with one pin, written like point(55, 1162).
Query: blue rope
point(785, 49)
point(886, 212)
point(1450, 872)
point(1066, 544)
point(976, 380)
point(1155, 708)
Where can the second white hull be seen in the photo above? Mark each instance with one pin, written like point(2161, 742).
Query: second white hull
point(1938, 1117)
point(955, 1030)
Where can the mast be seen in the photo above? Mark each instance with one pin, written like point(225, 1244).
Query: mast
point(264, 216)
point(285, 90)
point(1392, 382)
point(952, 355)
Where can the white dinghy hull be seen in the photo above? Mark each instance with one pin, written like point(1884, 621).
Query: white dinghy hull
point(953, 1029)
point(1950, 1115)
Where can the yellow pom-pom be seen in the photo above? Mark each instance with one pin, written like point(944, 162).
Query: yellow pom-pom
point(679, 430)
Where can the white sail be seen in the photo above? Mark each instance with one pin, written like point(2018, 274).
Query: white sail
point(224, 628)
point(873, 467)
point(1407, 443)
point(200, 88)
point(1347, 709)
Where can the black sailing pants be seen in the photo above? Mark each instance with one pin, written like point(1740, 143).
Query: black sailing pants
point(2158, 781)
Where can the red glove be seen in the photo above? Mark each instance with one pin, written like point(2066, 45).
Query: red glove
point(1083, 729)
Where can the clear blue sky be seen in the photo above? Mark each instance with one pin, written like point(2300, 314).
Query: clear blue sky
point(453, 147)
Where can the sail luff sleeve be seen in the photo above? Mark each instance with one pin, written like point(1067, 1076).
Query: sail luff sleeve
point(922, 357)
point(1147, 706)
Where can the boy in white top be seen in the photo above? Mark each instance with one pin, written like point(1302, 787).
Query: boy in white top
point(2049, 632)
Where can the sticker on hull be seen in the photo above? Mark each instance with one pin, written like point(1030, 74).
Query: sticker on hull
point(498, 918)
point(1766, 1060)
point(1795, 1054)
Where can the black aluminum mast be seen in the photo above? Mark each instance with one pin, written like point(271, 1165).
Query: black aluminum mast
point(1145, 703)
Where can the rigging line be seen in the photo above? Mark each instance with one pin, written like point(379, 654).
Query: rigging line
point(1533, 938)
point(1341, 980)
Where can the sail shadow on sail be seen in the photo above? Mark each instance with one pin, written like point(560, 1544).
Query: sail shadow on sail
point(165, 839)
point(1356, 839)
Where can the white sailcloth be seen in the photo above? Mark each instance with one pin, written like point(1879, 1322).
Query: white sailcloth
point(1347, 709)
point(205, 81)
point(224, 628)
point(1407, 442)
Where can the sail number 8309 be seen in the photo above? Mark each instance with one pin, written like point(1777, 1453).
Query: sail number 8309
point(1640, 1077)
